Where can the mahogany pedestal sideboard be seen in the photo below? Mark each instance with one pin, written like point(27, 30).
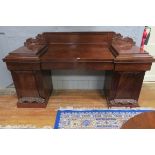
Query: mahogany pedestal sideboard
point(123, 62)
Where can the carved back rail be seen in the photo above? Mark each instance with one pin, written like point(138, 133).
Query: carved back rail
point(106, 38)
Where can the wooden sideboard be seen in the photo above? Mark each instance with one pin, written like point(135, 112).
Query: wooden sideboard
point(123, 62)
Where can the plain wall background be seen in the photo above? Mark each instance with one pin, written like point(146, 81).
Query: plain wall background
point(14, 36)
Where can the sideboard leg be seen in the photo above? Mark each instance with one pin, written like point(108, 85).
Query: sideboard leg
point(123, 88)
point(33, 88)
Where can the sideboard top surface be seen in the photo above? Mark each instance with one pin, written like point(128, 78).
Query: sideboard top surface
point(80, 52)
point(107, 47)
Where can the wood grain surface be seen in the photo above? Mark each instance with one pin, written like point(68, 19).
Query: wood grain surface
point(144, 120)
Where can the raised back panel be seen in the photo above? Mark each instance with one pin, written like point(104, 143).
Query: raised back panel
point(78, 37)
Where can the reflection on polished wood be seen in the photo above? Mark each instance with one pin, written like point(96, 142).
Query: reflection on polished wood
point(144, 120)
point(86, 99)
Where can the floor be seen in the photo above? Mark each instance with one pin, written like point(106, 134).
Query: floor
point(11, 115)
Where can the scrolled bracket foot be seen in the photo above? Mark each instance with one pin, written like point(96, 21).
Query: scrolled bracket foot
point(32, 102)
point(123, 103)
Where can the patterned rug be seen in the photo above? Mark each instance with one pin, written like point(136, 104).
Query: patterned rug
point(94, 119)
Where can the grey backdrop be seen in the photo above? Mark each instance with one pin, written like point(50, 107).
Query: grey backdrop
point(14, 36)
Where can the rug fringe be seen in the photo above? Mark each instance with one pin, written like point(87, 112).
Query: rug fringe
point(28, 126)
point(113, 108)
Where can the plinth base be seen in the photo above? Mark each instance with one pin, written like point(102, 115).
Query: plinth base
point(31, 105)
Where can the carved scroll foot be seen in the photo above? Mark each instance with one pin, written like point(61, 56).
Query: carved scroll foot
point(26, 100)
point(31, 102)
point(123, 103)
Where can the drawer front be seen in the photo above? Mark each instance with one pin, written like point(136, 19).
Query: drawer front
point(132, 66)
point(78, 65)
point(23, 66)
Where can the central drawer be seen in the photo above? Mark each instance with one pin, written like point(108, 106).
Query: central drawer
point(78, 65)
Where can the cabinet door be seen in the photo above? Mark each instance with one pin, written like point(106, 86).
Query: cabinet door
point(25, 84)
